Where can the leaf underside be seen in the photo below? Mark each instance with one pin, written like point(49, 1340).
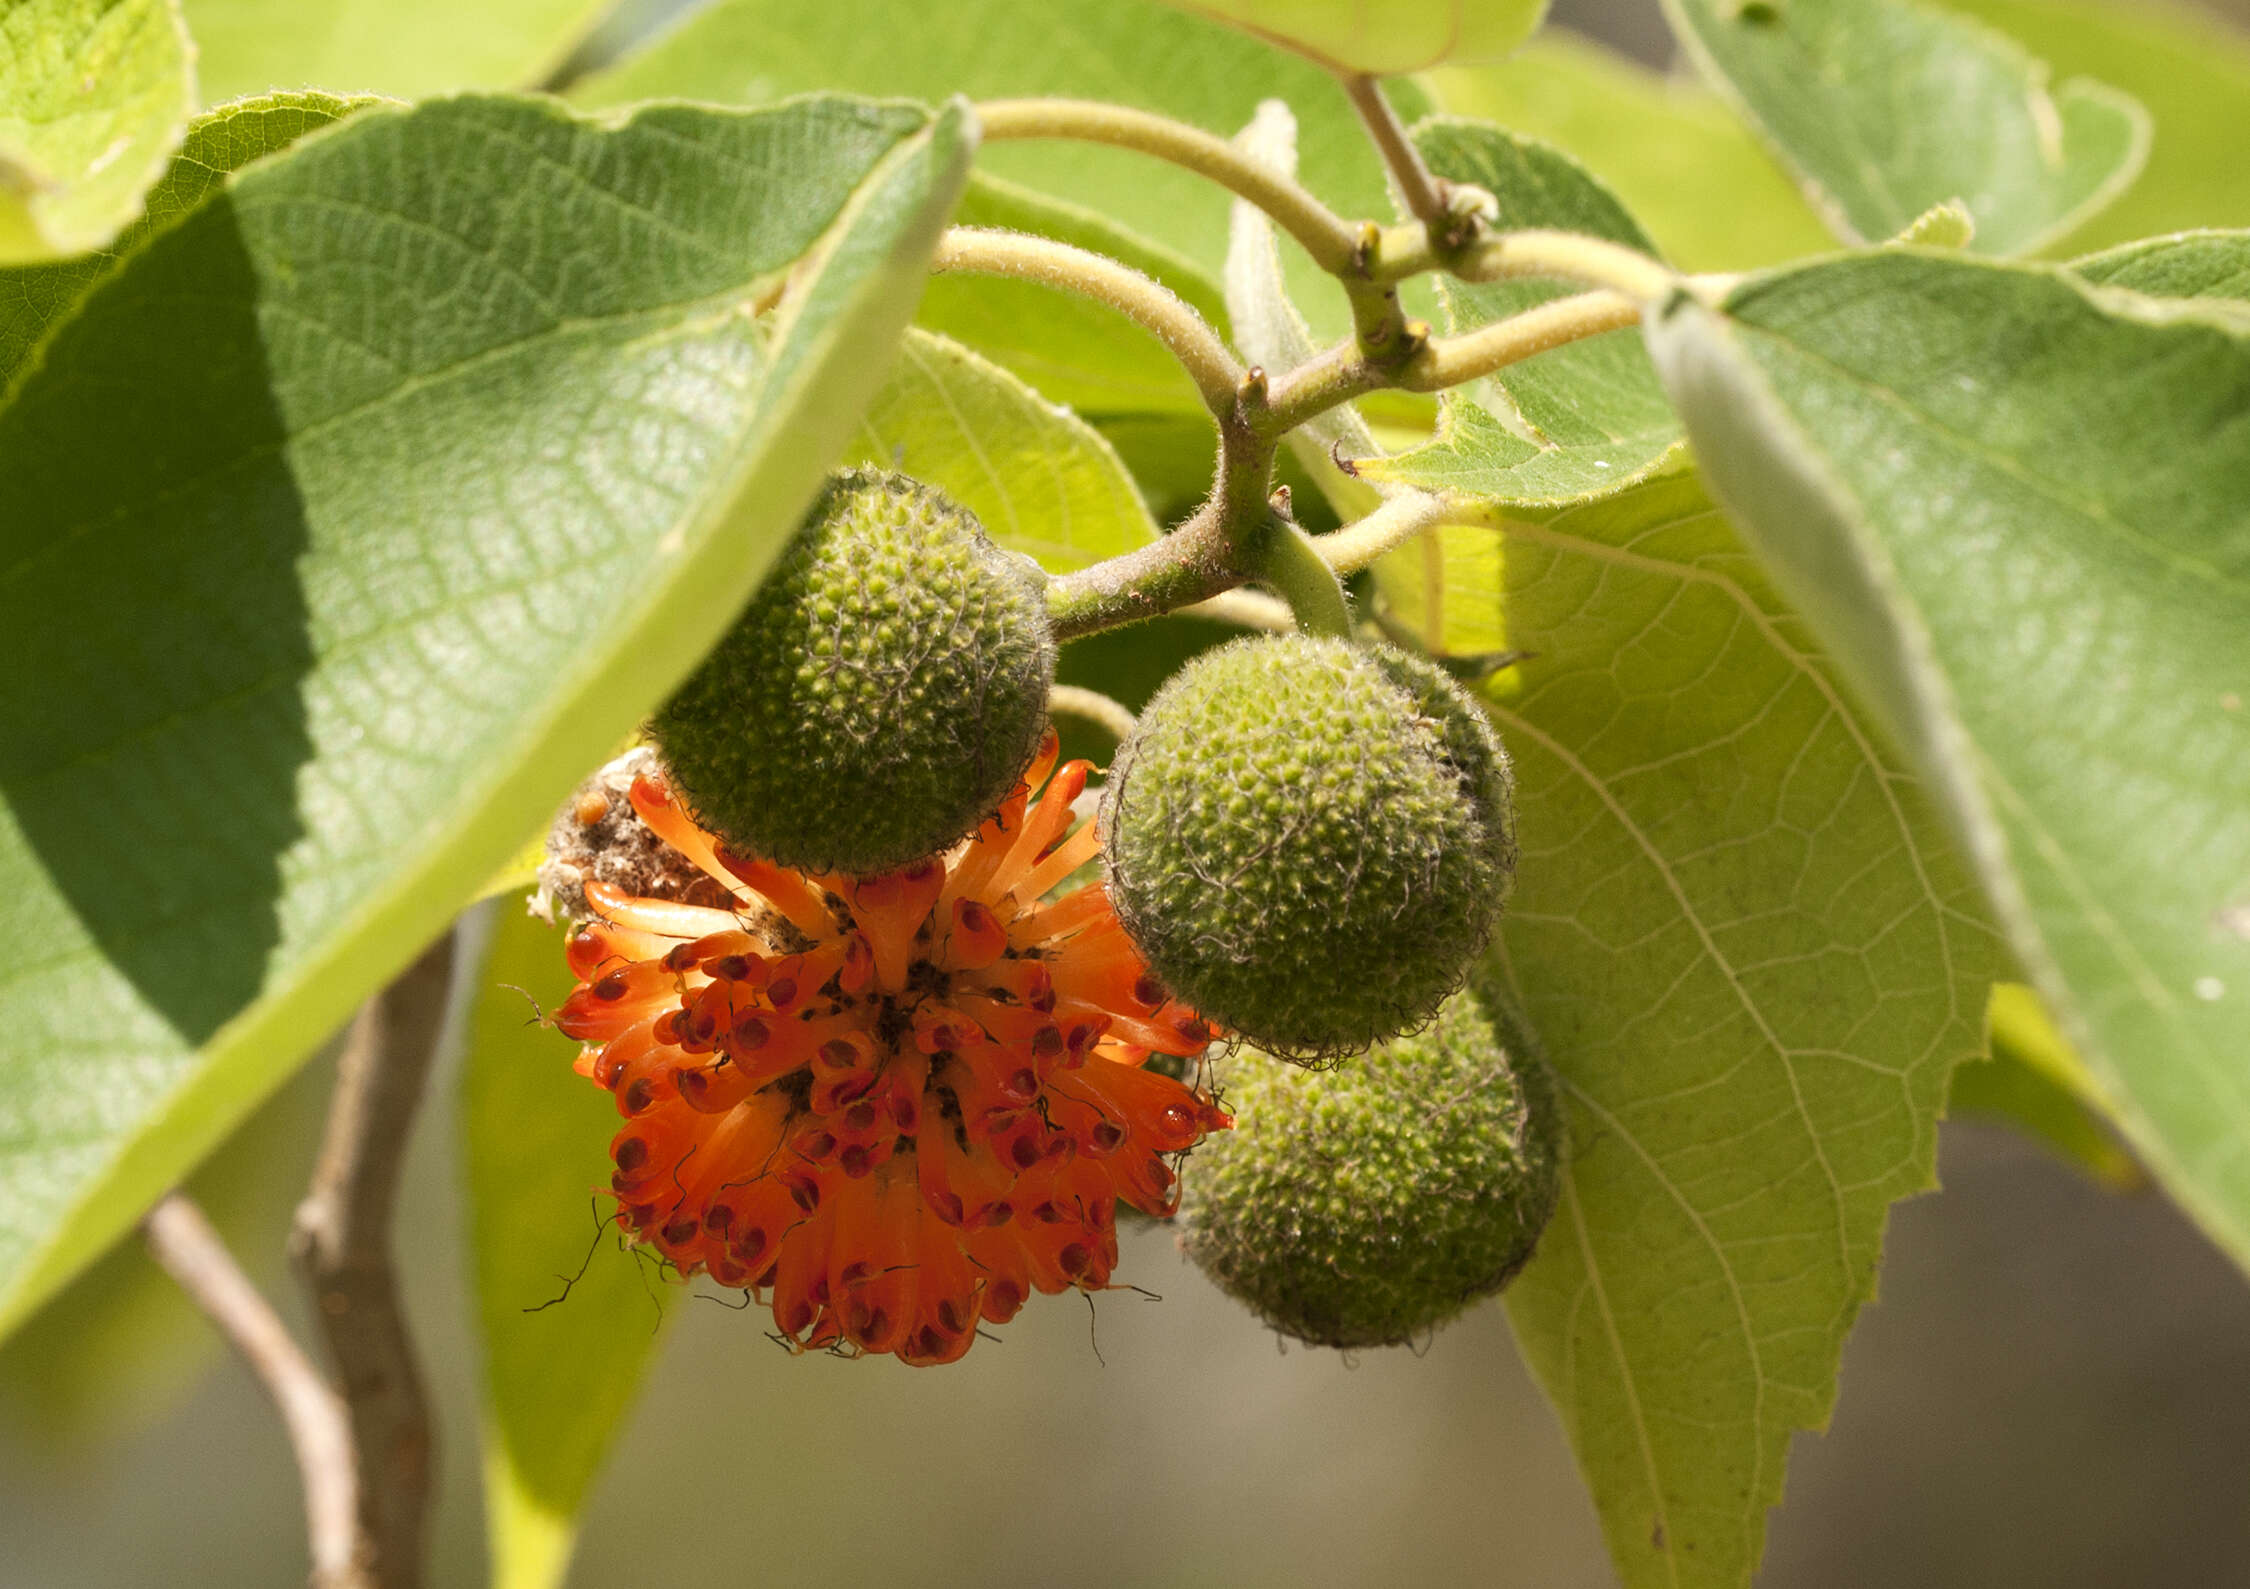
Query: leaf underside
point(1753, 963)
point(332, 586)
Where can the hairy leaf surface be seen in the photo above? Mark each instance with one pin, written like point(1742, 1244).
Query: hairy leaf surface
point(1571, 424)
point(34, 299)
point(317, 598)
point(1041, 480)
point(2014, 505)
point(1753, 963)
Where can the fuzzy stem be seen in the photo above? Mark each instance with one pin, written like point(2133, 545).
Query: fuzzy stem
point(1110, 715)
point(1343, 372)
point(1423, 193)
point(1331, 241)
point(1511, 256)
point(1290, 564)
point(1453, 360)
point(1150, 304)
point(1396, 522)
point(195, 1255)
point(1245, 609)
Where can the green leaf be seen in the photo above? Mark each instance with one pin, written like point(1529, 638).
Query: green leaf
point(404, 48)
point(317, 599)
point(1390, 40)
point(1665, 146)
point(2013, 506)
point(34, 299)
point(1740, 935)
point(2190, 69)
point(121, 1347)
point(1072, 349)
point(2212, 265)
point(1884, 108)
point(1041, 480)
point(1577, 422)
point(1135, 52)
point(567, 1319)
point(94, 95)
point(2037, 1083)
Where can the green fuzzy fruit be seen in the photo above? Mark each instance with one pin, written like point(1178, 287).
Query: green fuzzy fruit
point(1310, 840)
point(878, 697)
point(1364, 1205)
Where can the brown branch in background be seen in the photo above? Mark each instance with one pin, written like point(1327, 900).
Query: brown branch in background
point(342, 1244)
point(182, 1240)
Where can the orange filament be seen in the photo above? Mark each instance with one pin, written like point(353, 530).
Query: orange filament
point(906, 1127)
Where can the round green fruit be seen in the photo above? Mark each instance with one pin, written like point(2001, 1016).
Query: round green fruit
point(1310, 840)
point(878, 697)
point(1365, 1205)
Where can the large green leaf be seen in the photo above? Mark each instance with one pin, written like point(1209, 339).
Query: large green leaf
point(568, 1322)
point(1668, 148)
point(404, 48)
point(1577, 422)
point(1885, 108)
point(314, 600)
point(1041, 480)
point(2190, 69)
point(2014, 505)
point(1753, 963)
point(94, 95)
point(35, 298)
point(1396, 37)
point(1135, 52)
point(2212, 265)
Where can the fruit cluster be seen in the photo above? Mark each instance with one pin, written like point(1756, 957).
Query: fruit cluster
point(882, 1064)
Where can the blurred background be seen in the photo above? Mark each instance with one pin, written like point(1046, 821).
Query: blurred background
point(2054, 1388)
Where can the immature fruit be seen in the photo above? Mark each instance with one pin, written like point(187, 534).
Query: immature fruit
point(879, 696)
point(1363, 1205)
point(1310, 840)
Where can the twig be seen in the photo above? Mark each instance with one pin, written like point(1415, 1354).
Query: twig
point(1397, 521)
point(342, 1244)
point(1247, 609)
point(1154, 306)
point(1105, 712)
point(1331, 241)
point(1423, 194)
point(182, 1240)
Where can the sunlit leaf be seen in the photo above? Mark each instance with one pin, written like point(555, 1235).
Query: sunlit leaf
point(34, 299)
point(1884, 108)
point(94, 95)
point(404, 48)
point(1575, 423)
point(2013, 505)
point(567, 1319)
point(314, 601)
point(2035, 1082)
point(1040, 480)
point(1395, 37)
point(1753, 963)
point(1682, 163)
